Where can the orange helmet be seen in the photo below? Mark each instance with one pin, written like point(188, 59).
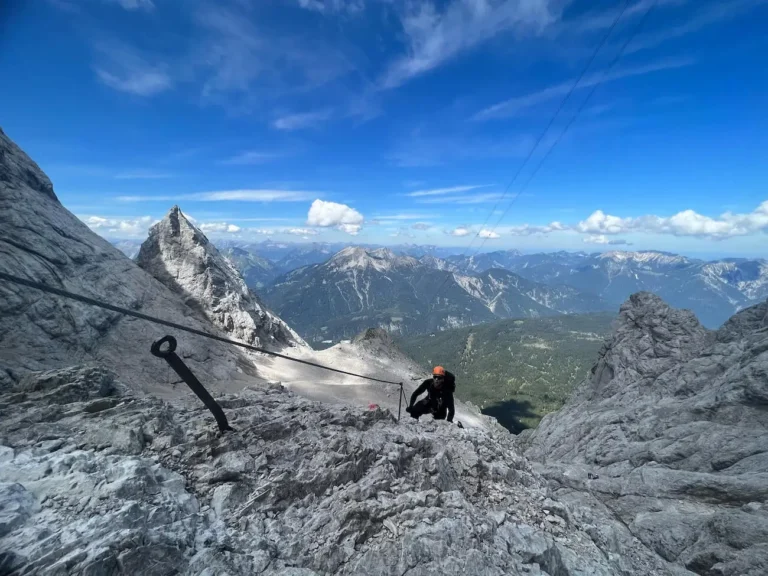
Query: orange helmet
point(438, 371)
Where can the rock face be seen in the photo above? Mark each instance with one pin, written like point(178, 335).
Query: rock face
point(42, 241)
point(299, 488)
point(180, 256)
point(669, 438)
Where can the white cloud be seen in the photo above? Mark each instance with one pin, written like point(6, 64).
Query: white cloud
point(126, 70)
point(460, 231)
point(326, 214)
point(302, 231)
point(601, 223)
point(247, 64)
point(146, 5)
point(421, 226)
point(443, 191)
point(329, 6)
point(122, 227)
point(142, 175)
point(353, 229)
point(603, 239)
point(528, 229)
point(256, 195)
point(515, 105)
point(490, 234)
point(250, 157)
point(434, 36)
point(469, 199)
point(685, 223)
point(299, 121)
point(406, 216)
point(219, 227)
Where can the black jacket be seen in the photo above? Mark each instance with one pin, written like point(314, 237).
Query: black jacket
point(438, 399)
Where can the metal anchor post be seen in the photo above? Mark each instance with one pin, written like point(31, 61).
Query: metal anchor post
point(169, 355)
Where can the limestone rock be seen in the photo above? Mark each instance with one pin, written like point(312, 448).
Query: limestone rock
point(668, 438)
point(180, 256)
point(300, 487)
point(42, 241)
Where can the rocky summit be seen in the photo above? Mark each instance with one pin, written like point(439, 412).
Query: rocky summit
point(298, 488)
point(180, 256)
point(669, 437)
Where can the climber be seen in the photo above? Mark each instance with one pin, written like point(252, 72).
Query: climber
point(439, 400)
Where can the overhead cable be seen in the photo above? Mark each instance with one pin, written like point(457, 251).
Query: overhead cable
point(93, 302)
point(536, 144)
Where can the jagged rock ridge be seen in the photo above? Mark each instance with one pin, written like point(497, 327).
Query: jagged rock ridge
point(42, 241)
point(180, 256)
point(669, 436)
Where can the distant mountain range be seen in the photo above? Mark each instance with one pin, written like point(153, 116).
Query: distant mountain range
point(713, 290)
point(476, 288)
point(359, 288)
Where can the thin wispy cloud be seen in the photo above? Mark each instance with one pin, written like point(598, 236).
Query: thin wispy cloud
point(597, 21)
point(407, 216)
point(444, 191)
point(515, 105)
point(709, 15)
point(145, 5)
point(418, 151)
point(124, 69)
point(435, 35)
point(142, 175)
point(256, 195)
point(245, 63)
point(292, 122)
point(333, 6)
point(462, 200)
point(251, 157)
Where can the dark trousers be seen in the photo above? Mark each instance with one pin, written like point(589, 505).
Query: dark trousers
point(423, 407)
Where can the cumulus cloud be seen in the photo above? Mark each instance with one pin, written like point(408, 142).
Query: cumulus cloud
point(603, 239)
point(219, 227)
point(352, 229)
point(421, 226)
point(460, 231)
point(331, 214)
point(685, 223)
point(122, 227)
point(490, 234)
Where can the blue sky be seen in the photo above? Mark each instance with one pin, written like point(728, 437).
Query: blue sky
point(395, 121)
